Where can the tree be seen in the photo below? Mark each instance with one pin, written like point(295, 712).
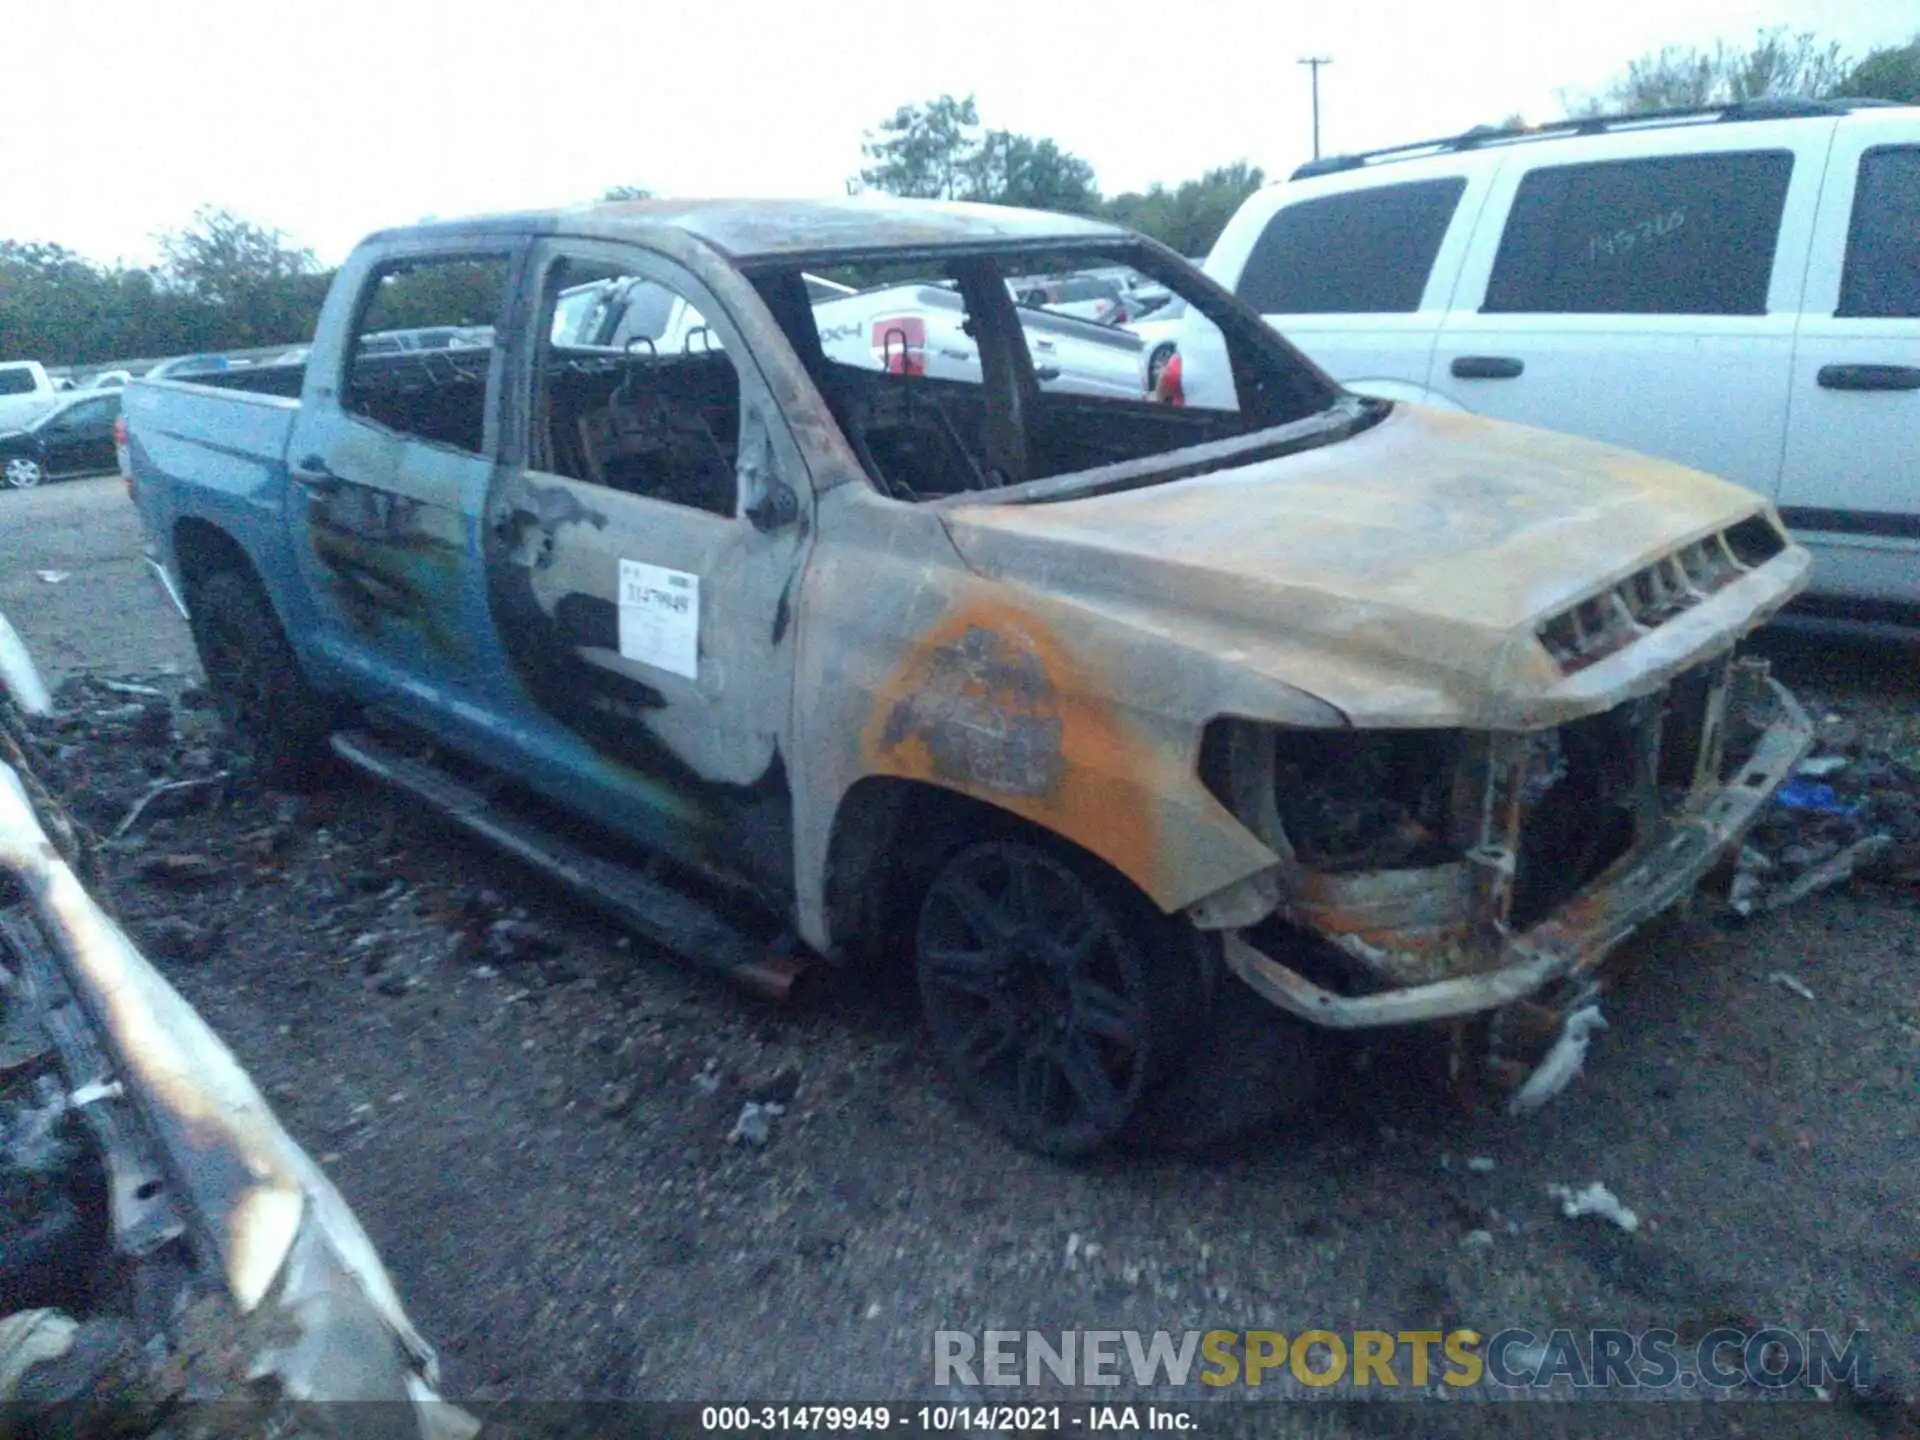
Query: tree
point(1010, 169)
point(625, 192)
point(1189, 217)
point(224, 259)
point(1892, 73)
point(1685, 77)
point(266, 291)
point(924, 151)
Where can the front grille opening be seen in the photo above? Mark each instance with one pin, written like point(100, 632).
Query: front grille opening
point(1755, 541)
point(1608, 622)
point(1373, 800)
point(1580, 824)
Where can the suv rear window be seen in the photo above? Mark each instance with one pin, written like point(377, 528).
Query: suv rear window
point(1365, 252)
point(1882, 278)
point(1672, 235)
point(16, 382)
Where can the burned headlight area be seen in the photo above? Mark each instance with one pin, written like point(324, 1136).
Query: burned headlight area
point(1418, 852)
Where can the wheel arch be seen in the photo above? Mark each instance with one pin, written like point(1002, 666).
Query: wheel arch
point(888, 838)
point(200, 548)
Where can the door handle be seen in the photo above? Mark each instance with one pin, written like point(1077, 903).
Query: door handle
point(1486, 367)
point(1869, 377)
point(312, 473)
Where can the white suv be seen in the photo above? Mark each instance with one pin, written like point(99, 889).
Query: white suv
point(1737, 289)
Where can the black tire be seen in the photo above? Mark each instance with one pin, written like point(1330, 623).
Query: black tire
point(1255, 1066)
point(276, 719)
point(1057, 997)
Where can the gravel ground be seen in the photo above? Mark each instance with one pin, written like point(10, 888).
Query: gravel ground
point(531, 1114)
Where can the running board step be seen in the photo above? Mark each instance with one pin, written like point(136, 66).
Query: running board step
point(667, 916)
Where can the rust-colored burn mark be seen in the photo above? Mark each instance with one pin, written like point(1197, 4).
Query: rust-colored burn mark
point(985, 714)
point(989, 703)
point(1406, 926)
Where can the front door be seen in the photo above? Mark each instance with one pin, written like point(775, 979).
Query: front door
point(643, 562)
point(1850, 488)
point(389, 461)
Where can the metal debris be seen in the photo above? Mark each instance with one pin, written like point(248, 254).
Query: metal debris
point(1833, 871)
point(155, 791)
point(1788, 982)
point(1594, 1199)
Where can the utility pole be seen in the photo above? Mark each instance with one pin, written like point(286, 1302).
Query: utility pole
point(1313, 63)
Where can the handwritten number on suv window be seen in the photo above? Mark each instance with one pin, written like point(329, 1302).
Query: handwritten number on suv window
point(1619, 242)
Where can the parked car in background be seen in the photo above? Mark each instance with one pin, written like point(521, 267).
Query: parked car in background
point(1150, 737)
point(1159, 332)
point(110, 380)
point(26, 390)
point(1735, 288)
point(183, 366)
point(1084, 297)
point(72, 439)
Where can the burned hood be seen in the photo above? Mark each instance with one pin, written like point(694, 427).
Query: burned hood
point(1406, 575)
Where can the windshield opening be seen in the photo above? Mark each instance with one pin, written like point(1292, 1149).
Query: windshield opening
point(973, 371)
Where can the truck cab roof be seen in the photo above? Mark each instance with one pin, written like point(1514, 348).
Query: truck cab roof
point(747, 230)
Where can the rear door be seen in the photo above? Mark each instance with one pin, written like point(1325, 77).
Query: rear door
point(390, 457)
point(1850, 487)
point(1646, 300)
point(643, 555)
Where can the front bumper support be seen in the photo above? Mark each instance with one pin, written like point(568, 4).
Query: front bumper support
point(1574, 940)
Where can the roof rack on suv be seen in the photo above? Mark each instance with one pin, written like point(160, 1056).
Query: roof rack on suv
point(1770, 108)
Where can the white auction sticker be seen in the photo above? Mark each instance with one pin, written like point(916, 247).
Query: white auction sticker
point(660, 617)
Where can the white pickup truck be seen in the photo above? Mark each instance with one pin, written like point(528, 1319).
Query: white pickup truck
point(913, 328)
point(26, 393)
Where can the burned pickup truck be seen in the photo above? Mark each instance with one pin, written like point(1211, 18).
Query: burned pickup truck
point(1103, 715)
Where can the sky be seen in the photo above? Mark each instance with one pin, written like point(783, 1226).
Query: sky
point(331, 120)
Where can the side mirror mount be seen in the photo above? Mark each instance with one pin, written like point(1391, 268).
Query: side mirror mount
point(775, 507)
point(772, 504)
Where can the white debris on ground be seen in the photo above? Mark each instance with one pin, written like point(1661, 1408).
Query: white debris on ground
point(1594, 1199)
point(1562, 1062)
point(1789, 982)
point(755, 1125)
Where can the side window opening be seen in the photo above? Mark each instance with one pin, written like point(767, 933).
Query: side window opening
point(633, 390)
point(1363, 252)
point(422, 346)
point(1882, 275)
point(1668, 235)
